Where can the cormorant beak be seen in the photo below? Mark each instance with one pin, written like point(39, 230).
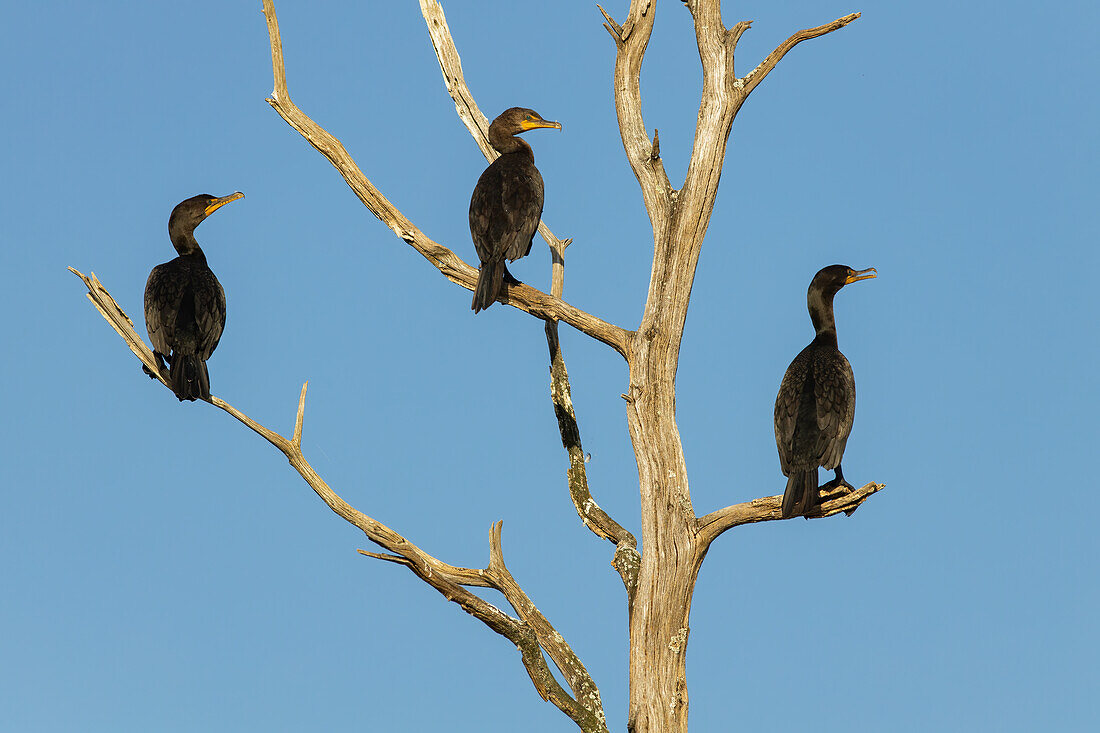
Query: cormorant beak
point(857, 275)
point(218, 203)
point(535, 124)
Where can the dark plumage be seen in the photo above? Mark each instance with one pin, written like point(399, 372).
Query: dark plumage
point(185, 303)
point(507, 202)
point(817, 400)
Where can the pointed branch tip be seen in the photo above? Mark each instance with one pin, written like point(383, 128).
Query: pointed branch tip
point(734, 34)
point(612, 27)
point(296, 439)
point(496, 552)
point(397, 559)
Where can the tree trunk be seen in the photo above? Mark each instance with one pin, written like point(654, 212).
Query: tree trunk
point(670, 550)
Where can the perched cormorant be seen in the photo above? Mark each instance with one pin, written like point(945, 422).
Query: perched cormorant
point(507, 202)
point(185, 303)
point(817, 400)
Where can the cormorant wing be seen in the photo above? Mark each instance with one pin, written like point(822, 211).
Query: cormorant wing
point(787, 404)
point(209, 312)
point(483, 204)
point(835, 393)
point(163, 292)
point(522, 199)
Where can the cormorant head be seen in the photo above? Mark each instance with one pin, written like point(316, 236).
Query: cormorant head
point(826, 283)
point(189, 213)
point(829, 280)
point(520, 119)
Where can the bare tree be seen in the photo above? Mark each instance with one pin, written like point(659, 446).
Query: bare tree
point(659, 580)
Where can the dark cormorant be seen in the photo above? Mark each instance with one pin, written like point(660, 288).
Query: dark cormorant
point(507, 202)
point(817, 400)
point(185, 303)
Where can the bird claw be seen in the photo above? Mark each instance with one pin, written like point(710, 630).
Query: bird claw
point(835, 489)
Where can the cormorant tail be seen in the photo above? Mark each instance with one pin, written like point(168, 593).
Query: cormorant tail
point(489, 280)
point(801, 493)
point(190, 379)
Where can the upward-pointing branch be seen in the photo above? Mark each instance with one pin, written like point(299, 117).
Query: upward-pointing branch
point(757, 75)
point(631, 39)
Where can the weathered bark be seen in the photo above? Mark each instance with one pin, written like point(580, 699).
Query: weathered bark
point(659, 581)
point(672, 547)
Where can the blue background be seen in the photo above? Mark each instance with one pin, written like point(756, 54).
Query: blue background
point(164, 569)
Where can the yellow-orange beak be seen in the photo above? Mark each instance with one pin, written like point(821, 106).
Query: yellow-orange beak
point(535, 124)
point(857, 275)
point(218, 203)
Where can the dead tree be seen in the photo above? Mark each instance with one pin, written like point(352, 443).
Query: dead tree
point(658, 580)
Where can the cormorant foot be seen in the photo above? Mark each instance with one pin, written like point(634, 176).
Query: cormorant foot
point(835, 489)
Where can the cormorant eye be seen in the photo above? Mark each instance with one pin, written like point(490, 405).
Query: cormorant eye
point(530, 118)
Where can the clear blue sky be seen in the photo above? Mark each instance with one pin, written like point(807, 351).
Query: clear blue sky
point(164, 569)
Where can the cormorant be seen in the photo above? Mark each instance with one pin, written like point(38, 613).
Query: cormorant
point(185, 303)
point(507, 202)
point(817, 400)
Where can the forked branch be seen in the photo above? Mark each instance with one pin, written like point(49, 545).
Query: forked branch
point(531, 633)
point(587, 707)
point(524, 297)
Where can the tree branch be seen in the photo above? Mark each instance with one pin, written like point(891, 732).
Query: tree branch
point(769, 508)
point(718, 107)
point(524, 297)
point(587, 711)
point(531, 634)
point(733, 35)
point(626, 558)
point(612, 27)
point(122, 324)
point(754, 77)
point(631, 40)
point(451, 65)
point(396, 559)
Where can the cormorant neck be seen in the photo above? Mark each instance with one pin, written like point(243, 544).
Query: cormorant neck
point(505, 143)
point(184, 241)
point(821, 312)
